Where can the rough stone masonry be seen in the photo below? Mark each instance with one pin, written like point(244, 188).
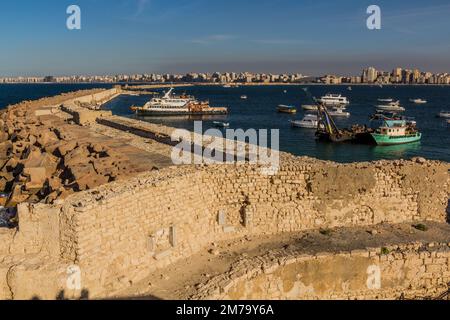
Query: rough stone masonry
point(104, 209)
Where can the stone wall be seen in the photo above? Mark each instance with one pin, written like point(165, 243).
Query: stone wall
point(119, 232)
point(405, 271)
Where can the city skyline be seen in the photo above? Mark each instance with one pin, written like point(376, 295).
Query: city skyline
point(398, 75)
point(181, 36)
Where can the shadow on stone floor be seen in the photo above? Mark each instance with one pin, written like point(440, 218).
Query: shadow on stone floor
point(448, 211)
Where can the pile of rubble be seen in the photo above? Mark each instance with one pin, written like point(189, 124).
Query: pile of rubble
point(43, 158)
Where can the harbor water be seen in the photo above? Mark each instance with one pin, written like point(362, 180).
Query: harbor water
point(259, 111)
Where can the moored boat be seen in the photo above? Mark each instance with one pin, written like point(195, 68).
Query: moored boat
point(310, 121)
point(444, 114)
point(392, 106)
point(286, 109)
point(386, 100)
point(169, 105)
point(244, 97)
point(310, 107)
point(332, 100)
point(394, 132)
point(338, 112)
point(418, 101)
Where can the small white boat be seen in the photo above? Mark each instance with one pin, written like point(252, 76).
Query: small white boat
point(227, 86)
point(392, 106)
point(310, 121)
point(244, 97)
point(221, 124)
point(444, 114)
point(386, 100)
point(310, 107)
point(418, 101)
point(349, 88)
point(285, 91)
point(338, 112)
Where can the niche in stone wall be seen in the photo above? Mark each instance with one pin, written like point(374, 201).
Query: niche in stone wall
point(162, 242)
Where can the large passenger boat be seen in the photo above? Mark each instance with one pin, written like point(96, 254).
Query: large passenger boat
point(332, 100)
point(170, 104)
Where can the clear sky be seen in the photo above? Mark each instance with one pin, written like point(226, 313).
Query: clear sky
point(142, 36)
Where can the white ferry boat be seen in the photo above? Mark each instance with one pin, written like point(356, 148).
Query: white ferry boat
point(392, 106)
point(333, 100)
point(170, 104)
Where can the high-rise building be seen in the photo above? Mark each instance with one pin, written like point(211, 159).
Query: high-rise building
point(369, 75)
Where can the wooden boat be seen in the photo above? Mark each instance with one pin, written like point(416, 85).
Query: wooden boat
point(395, 132)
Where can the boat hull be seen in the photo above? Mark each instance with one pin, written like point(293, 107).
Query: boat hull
point(304, 125)
point(310, 108)
point(288, 111)
point(384, 140)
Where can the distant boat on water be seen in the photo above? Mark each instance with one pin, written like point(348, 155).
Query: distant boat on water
point(220, 124)
point(331, 100)
point(418, 101)
point(392, 106)
point(310, 107)
point(310, 121)
point(386, 100)
point(338, 112)
point(244, 97)
point(444, 114)
point(286, 109)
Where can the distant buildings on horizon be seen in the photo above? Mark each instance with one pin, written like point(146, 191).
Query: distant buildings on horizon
point(368, 76)
point(397, 76)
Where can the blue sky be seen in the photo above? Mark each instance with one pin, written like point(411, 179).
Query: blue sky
point(143, 36)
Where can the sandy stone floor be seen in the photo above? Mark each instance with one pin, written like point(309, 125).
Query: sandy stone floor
point(217, 259)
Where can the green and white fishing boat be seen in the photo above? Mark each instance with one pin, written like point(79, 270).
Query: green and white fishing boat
point(395, 132)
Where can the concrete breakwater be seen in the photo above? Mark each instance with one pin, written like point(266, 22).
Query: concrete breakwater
point(120, 231)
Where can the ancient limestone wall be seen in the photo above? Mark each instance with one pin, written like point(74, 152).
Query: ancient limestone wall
point(311, 195)
point(407, 271)
point(119, 232)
